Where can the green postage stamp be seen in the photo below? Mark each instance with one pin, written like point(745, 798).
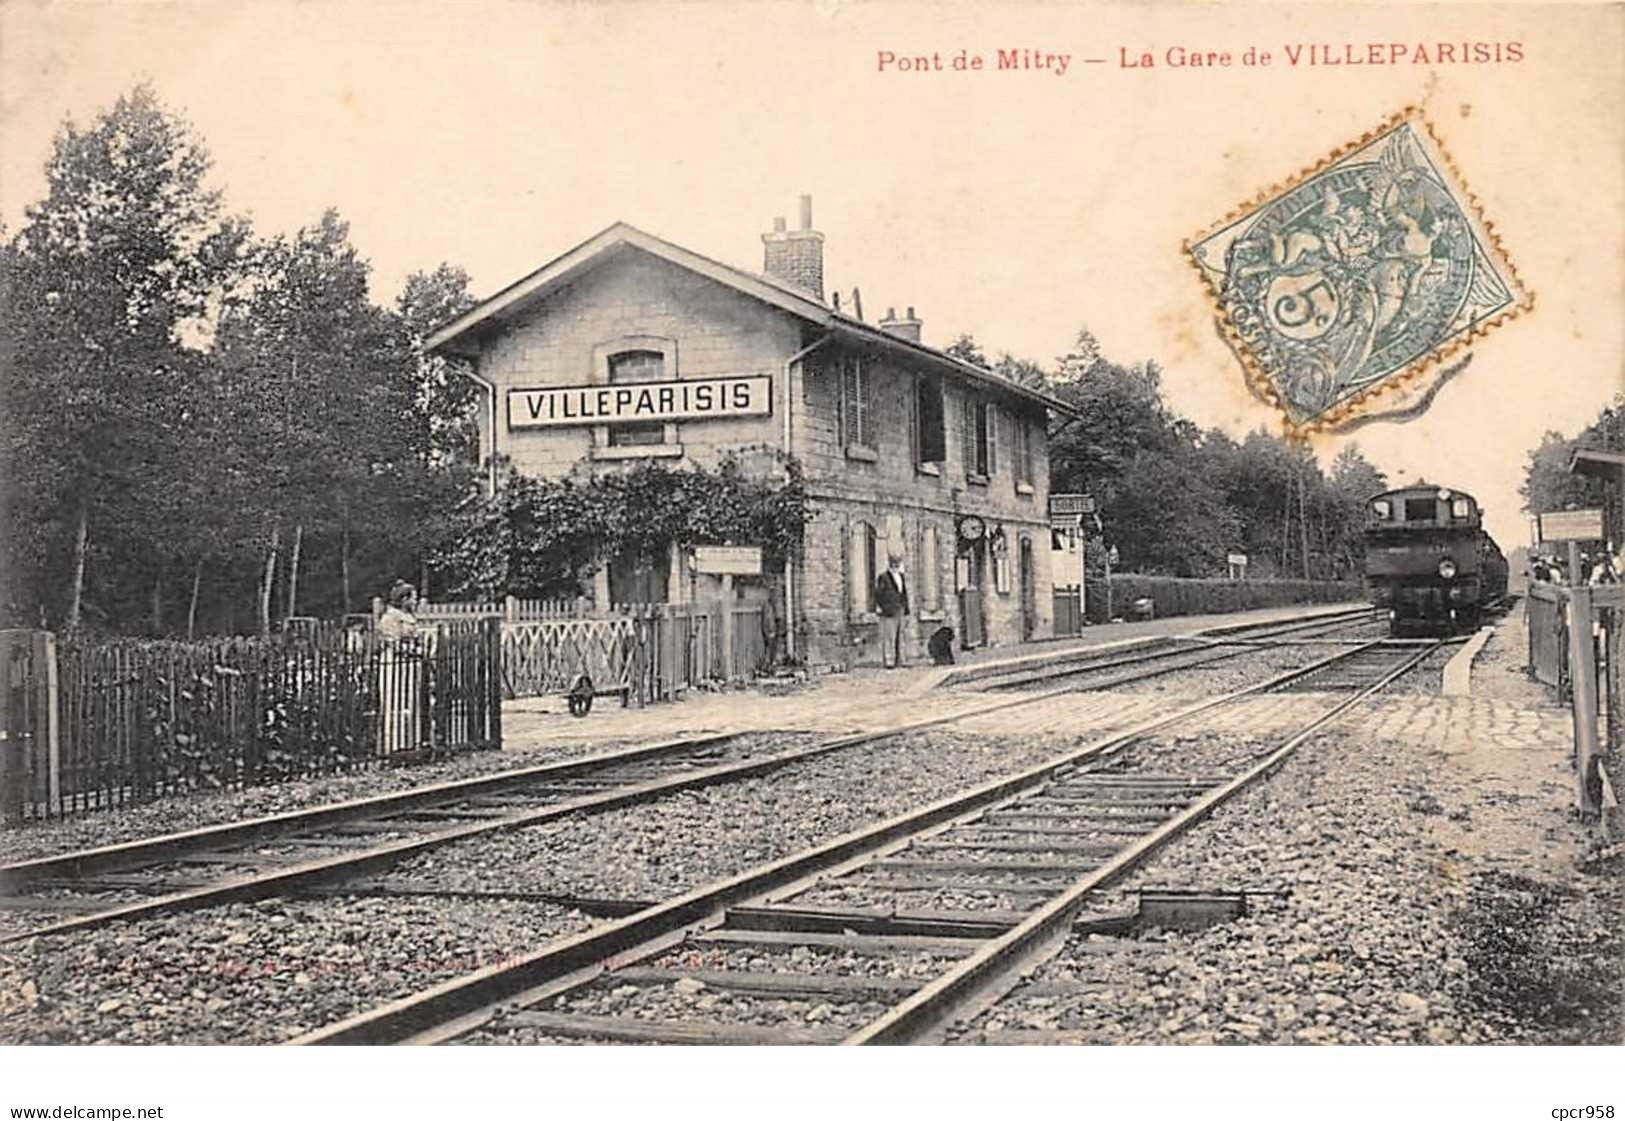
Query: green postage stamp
point(1343, 291)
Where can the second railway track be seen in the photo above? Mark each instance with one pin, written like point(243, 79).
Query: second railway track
point(951, 902)
point(307, 849)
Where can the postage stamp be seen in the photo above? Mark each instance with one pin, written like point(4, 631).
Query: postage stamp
point(1345, 289)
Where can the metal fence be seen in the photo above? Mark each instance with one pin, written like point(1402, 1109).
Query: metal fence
point(96, 724)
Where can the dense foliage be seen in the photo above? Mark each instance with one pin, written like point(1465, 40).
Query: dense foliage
point(206, 430)
point(1548, 484)
point(1174, 499)
point(545, 537)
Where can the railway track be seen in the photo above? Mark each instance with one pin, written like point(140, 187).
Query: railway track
point(886, 935)
point(308, 850)
point(1220, 645)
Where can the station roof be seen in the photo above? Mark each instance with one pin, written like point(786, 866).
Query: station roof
point(1598, 464)
point(463, 335)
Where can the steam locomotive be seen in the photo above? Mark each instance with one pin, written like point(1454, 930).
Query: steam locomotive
point(1428, 560)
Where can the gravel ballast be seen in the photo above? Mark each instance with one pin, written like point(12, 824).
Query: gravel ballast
point(182, 812)
point(690, 838)
point(1400, 925)
point(255, 973)
point(643, 852)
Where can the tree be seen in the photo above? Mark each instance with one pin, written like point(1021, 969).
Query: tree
point(107, 285)
point(967, 349)
point(446, 397)
point(1548, 484)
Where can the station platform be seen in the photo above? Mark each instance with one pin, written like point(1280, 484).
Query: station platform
point(859, 699)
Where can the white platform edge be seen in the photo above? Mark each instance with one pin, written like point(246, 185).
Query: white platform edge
point(1458, 671)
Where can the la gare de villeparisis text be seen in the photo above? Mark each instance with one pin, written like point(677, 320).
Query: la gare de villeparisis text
point(1059, 63)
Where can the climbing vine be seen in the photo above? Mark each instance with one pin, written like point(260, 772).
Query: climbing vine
point(545, 537)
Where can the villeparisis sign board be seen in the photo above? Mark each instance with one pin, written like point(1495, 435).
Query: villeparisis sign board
point(693, 399)
point(728, 560)
point(1571, 525)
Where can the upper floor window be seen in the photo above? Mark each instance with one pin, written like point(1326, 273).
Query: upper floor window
point(632, 367)
point(1022, 459)
point(856, 406)
point(930, 436)
point(981, 438)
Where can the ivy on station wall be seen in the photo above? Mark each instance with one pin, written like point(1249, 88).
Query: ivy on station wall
point(544, 538)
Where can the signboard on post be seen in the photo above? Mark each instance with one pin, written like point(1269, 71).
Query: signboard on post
point(1571, 525)
point(1238, 565)
point(1066, 504)
point(728, 560)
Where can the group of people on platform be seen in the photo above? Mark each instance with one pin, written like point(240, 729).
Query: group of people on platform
point(1598, 568)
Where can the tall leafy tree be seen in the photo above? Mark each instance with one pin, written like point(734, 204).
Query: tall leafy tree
point(108, 283)
point(1549, 485)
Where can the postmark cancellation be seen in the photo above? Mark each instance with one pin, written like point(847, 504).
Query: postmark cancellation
point(1343, 290)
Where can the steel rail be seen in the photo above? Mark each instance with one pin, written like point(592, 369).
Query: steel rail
point(468, 1000)
point(258, 885)
point(1170, 646)
point(150, 850)
point(933, 1008)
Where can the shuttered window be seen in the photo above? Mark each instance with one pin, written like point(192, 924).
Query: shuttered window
point(930, 570)
point(990, 431)
point(855, 404)
point(861, 569)
point(968, 442)
point(1023, 458)
point(981, 438)
point(931, 438)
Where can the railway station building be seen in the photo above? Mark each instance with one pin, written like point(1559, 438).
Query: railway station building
point(629, 347)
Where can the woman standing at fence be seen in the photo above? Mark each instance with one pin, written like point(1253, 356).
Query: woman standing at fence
point(400, 671)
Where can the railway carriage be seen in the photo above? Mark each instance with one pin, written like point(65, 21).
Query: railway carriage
point(1428, 561)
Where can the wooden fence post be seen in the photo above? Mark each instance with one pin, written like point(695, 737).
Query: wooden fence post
point(493, 662)
point(1583, 677)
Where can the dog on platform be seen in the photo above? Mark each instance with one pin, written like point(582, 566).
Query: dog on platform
point(941, 646)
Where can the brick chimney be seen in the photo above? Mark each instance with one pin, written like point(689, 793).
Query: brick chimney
point(906, 328)
point(796, 257)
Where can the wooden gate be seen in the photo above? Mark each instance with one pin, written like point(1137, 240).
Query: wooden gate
point(1548, 637)
point(547, 657)
point(29, 763)
point(1068, 611)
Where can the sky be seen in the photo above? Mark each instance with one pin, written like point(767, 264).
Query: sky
point(1016, 204)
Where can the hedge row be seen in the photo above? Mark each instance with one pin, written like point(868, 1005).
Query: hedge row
point(1174, 595)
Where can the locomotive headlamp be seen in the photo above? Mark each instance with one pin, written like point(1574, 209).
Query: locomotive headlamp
point(1381, 508)
point(1447, 568)
point(1461, 508)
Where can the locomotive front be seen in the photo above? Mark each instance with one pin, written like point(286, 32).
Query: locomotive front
point(1424, 557)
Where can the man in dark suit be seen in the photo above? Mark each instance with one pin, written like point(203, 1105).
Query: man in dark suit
point(891, 599)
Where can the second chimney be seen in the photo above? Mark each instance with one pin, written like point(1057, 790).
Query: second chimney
point(906, 328)
point(796, 257)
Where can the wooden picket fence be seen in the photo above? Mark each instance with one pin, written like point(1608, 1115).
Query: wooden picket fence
point(90, 725)
point(511, 609)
